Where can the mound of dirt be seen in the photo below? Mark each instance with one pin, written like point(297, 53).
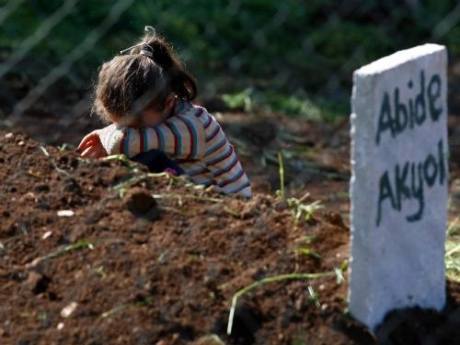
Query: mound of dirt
point(101, 252)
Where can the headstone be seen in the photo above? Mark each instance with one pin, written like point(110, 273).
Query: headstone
point(399, 184)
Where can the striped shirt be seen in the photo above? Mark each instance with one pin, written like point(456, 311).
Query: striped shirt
point(193, 138)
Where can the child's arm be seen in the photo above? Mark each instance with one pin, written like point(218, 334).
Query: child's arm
point(228, 172)
point(178, 137)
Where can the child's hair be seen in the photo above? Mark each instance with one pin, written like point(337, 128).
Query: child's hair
point(144, 78)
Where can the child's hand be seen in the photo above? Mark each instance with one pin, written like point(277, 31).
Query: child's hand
point(91, 146)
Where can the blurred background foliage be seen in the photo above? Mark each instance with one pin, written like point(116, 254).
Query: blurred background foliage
point(292, 56)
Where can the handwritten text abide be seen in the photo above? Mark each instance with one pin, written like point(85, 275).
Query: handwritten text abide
point(407, 180)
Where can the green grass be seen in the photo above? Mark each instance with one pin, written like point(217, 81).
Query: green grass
point(79, 245)
point(296, 105)
point(293, 57)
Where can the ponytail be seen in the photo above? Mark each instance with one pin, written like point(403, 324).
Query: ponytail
point(156, 47)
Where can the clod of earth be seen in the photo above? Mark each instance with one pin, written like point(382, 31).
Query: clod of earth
point(140, 202)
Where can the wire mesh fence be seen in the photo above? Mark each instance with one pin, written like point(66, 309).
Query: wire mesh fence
point(293, 56)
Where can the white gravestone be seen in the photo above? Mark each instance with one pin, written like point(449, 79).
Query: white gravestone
point(399, 183)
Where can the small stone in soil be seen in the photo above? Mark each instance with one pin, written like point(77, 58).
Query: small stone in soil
point(69, 309)
point(46, 235)
point(65, 213)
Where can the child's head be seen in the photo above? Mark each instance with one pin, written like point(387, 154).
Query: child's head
point(139, 88)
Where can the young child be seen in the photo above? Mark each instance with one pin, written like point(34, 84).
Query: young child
point(147, 96)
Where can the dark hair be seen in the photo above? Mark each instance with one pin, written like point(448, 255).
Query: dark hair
point(144, 78)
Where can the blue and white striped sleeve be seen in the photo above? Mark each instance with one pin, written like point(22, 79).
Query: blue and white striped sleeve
point(180, 138)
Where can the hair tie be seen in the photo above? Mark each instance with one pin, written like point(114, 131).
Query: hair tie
point(146, 50)
point(150, 30)
point(130, 48)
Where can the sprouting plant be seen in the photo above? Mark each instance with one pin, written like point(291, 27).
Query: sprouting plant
point(143, 302)
point(130, 164)
point(313, 296)
point(452, 260)
point(100, 271)
point(79, 245)
point(305, 249)
point(64, 146)
point(53, 163)
point(277, 278)
point(452, 255)
point(281, 192)
point(454, 227)
point(301, 210)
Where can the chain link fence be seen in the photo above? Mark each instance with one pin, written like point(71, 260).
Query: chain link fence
point(293, 56)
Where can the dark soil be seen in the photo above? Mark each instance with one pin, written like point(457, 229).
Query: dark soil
point(141, 259)
point(151, 260)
